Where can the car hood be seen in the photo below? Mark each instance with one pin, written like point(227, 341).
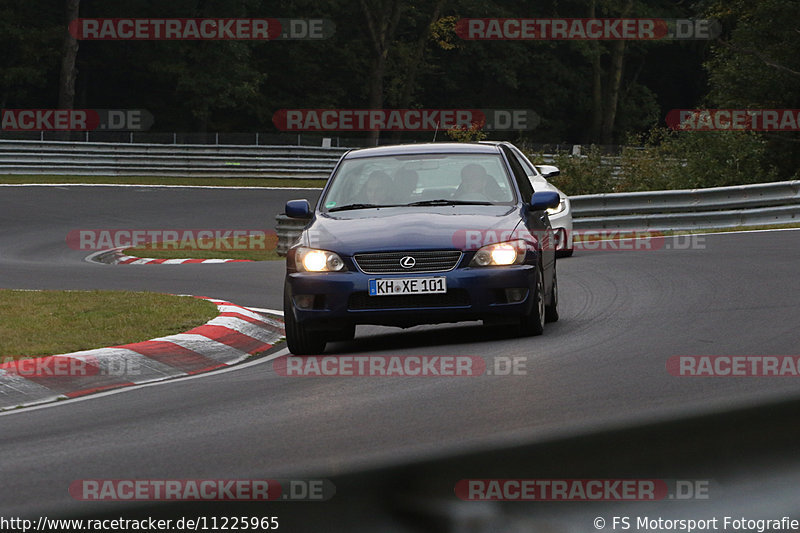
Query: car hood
point(407, 228)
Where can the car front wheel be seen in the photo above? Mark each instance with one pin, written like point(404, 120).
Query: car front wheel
point(299, 339)
point(551, 309)
point(532, 323)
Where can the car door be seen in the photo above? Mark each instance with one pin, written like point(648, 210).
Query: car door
point(537, 222)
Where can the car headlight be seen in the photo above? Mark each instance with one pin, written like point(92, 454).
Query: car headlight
point(501, 253)
point(311, 260)
point(562, 205)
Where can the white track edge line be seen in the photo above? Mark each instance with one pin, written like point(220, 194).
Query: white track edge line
point(231, 368)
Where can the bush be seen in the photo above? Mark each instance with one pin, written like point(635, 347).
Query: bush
point(467, 135)
point(664, 160)
point(688, 160)
point(580, 174)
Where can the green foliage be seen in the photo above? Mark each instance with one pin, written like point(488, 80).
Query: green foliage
point(664, 159)
point(580, 174)
point(756, 65)
point(237, 86)
point(686, 160)
point(467, 135)
point(30, 44)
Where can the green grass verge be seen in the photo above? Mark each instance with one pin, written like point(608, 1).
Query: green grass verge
point(166, 180)
point(255, 249)
point(39, 323)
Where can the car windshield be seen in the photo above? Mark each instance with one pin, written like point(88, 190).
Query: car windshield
point(429, 179)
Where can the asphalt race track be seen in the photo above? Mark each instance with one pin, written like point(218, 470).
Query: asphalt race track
point(601, 367)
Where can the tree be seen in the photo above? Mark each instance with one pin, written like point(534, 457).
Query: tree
point(756, 64)
point(381, 17)
point(66, 88)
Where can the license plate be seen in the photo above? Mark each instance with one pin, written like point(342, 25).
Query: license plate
point(385, 287)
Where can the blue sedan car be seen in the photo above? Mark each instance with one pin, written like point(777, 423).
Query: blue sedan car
point(421, 234)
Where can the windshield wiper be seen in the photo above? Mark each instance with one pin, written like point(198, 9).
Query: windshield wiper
point(442, 201)
point(359, 206)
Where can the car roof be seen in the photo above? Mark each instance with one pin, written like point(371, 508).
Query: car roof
point(423, 148)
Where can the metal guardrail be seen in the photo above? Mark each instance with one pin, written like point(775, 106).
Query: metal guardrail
point(716, 207)
point(688, 200)
point(288, 229)
point(719, 207)
point(213, 161)
point(690, 209)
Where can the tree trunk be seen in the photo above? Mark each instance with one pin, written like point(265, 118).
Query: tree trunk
point(410, 78)
point(66, 88)
point(614, 83)
point(597, 85)
point(382, 24)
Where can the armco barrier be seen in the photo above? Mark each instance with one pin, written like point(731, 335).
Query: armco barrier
point(690, 209)
point(288, 229)
point(186, 160)
point(716, 207)
point(689, 200)
point(719, 207)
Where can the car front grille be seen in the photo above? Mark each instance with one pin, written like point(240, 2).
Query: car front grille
point(424, 261)
point(453, 298)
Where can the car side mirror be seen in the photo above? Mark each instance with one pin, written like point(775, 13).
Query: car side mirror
point(542, 200)
point(548, 171)
point(298, 209)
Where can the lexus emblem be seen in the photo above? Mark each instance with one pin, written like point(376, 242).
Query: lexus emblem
point(408, 262)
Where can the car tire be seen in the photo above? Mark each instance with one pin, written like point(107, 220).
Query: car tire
point(532, 324)
point(551, 309)
point(565, 253)
point(299, 339)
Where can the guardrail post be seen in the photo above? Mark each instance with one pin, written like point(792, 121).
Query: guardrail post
point(288, 230)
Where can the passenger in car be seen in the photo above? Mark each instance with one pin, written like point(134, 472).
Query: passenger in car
point(477, 185)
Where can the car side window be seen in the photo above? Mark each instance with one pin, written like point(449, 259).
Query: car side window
point(529, 169)
point(525, 187)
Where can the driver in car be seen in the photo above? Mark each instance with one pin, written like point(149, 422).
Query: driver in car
point(378, 188)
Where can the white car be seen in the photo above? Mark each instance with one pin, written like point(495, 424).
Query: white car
point(561, 216)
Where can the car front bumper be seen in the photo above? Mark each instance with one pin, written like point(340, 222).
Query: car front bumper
point(327, 301)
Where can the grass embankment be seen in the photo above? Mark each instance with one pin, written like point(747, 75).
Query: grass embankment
point(39, 323)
